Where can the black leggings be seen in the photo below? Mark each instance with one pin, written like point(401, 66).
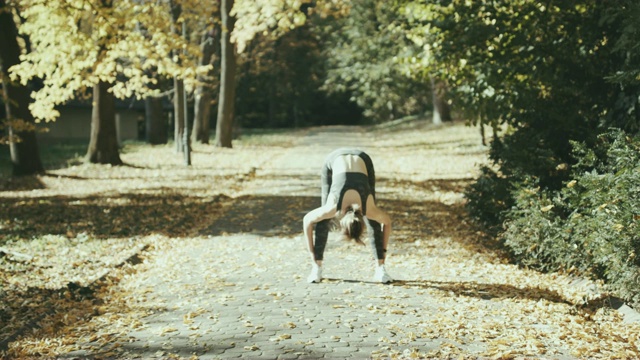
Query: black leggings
point(323, 227)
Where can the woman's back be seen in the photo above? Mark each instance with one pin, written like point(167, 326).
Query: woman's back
point(348, 163)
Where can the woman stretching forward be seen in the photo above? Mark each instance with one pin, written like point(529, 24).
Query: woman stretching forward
point(348, 196)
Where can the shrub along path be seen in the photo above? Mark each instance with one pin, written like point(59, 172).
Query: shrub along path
point(157, 260)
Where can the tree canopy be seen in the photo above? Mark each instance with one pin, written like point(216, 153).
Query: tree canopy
point(99, 42)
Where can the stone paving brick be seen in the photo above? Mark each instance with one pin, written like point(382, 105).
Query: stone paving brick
point(343, 352)
point(232, 355)
point(290, 356)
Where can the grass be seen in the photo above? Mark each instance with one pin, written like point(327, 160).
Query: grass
point(54, 155)
point(267, 137)
point(62, 154)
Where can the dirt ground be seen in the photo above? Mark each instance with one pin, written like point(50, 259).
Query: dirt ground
point(156, 259)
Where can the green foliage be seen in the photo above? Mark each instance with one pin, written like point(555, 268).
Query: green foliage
point(295, 53)
point(543, 69)
point(626, 114)
point(363, 51)
point(489, 198)
point(504, 59)
point(589, 226)
point(533, 154)
point(626, 16)
point(280, 82)
point(555, 75)
point(275, 18)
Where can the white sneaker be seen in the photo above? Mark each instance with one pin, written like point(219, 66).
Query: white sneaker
point(316, 274)
point(381, 275)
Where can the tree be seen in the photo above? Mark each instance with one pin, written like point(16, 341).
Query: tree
point(179, 104)
point(365, 52)
point(504, 59)
point(25, 155)
point(155, 120)
point(279, 81)
point(226, 99)
point(179, 118)
point(627, 75)
point(247, 18)
point(103, 142)
point(101, 44)
point(546, 70)
point(282, 66)
point(441, 108)
point(206, 86)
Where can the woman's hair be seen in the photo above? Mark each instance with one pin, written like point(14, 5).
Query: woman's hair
point(352, 224)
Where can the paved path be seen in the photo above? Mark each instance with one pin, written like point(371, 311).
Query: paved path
point(237, 289)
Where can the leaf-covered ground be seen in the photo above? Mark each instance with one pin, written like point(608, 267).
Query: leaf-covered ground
point(155, 259)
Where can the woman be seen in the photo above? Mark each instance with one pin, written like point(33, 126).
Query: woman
point(348, 196)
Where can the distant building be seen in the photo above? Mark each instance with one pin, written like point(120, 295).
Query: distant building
point(74, 122)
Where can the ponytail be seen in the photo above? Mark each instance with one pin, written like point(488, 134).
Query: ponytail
point(352, 224)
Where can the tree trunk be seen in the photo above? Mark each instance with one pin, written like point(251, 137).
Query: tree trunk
point(441, 108)
point(178, 113)
point(271, 98)
point(23, 145)
point(202, 116)
point(186, 141)
point(226, 100)
point(156, 125)
point(155, 121)
point(103, 144)
point(178, 87)
point(204, 93)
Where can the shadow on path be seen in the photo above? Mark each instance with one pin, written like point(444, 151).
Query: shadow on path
point(41, 312)
point(21, 183)
point(485, 291)
point(106, 216)
point(471, 289)
point(263, 215)
point(282, 216)
point(273, 215)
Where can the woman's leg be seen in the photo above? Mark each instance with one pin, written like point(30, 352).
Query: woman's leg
point(321, 230)
point(378, 240)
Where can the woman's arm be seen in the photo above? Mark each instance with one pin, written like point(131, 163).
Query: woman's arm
point(313, 217)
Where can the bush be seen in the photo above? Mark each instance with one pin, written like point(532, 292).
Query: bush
point(526, 155)
point(489, 199)
point(590, 225)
